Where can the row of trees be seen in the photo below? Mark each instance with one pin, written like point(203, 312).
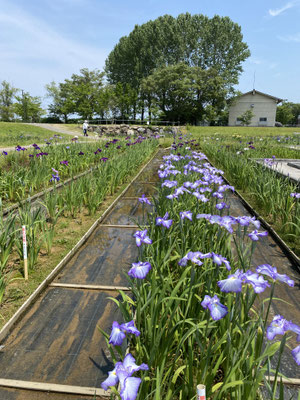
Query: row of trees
point(16, 102)
point(179, 69)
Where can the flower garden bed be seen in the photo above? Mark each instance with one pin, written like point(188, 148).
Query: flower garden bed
point(200, 311)
point(48, 221)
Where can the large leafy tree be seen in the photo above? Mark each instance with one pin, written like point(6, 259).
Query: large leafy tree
point(195, 40)
point(28, 107)
point(184, 93)
point(85, 89)
point(288, 113)
point(62, 104)
point(80, 94)
point(7, 94)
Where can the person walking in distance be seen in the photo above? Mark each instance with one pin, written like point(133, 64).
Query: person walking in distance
point(85, 126)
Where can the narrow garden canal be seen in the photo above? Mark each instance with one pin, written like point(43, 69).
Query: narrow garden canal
point(56, 350)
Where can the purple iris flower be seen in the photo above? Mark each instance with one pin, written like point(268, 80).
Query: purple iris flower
point(193, 257)
point(266, 269)
point(172, 196)
point(219, 260)
point(4, 153)
point(180, 190)
point(257, 281)
point(255, 235)
point(201, 197)
point(187, 184)
point(81, 153)
point(295, 195)
point(218, 195)
point(233, 283)
point(222, 205)
point(118, 332)
point(64, 162)
point(31, 155)
point(55, 176)
point(104, 159)
point(296, 354)
point(186, 214)
point(144, 200)
point(164, 221)
point(278, 326)
point(204, 189)
point(123, 372)
point(216, 309)
point(139, 270)
point(206, 216)
point(295, 328)
point(222, 188)
point(141, 237)
point(169, 184)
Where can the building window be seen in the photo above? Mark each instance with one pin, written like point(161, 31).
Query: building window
point(263, 119)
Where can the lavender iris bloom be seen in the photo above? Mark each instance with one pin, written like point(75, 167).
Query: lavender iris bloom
point(164, 221)
point(201, 197)
point(216, 309)
point(295, 195)
point(123, 372)
point(218, 259)
point(144, 200)
point(139, 270)
point(233, 283)
point(296, 354)
point(218, 195)
point(222, 205)
point(4, 153)
point(64, 162)
point(255, 235)
point(278, 326)
point(118, 332)
point(141, 237)
point(186, 214)
point(193, 257)
point(169, 184)
point(55, 176)
point(257, 281)
point(266, 269)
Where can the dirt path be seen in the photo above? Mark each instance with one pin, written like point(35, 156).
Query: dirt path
point(58, 128)
point(58, 341)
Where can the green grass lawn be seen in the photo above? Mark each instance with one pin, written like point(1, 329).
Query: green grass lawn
point(242, 131)
point(14, 133)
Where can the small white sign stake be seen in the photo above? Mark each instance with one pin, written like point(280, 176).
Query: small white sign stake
point(201, 392)
point(25, 252)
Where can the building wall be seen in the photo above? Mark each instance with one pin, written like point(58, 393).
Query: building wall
point(261, 106)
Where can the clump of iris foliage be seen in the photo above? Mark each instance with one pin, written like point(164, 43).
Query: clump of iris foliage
point(196, 314)
point(271, 195)
point(28, 170)
point(83, 196)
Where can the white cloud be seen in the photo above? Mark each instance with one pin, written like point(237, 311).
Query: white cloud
point(278, 11)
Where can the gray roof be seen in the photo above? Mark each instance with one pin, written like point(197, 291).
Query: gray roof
point(263, 94)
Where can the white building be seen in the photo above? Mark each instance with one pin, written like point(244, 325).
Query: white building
point(261, 104)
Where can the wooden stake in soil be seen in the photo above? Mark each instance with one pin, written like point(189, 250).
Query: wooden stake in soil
point(25, 252)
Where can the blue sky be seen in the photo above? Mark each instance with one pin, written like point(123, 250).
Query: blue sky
point(46, 40)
